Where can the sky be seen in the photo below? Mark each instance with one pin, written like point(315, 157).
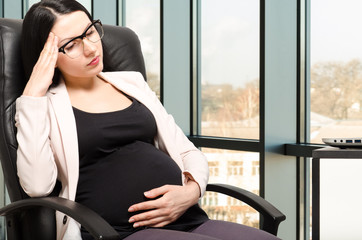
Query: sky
point(336, 34)
point(229, 41)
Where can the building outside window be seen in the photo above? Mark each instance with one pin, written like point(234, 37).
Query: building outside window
point(238, 169)
point(255, 168)
point(235, 168)
point(214, 169)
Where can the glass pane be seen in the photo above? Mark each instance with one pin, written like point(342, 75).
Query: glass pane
point(236, 168)
point(143, 17)
point(336, 69)
point(86, 3)
point(344, 175)
point(31, 2)
point(230, 68)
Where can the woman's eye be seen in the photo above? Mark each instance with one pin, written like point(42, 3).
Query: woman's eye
point(90, 32)
point(69, 46)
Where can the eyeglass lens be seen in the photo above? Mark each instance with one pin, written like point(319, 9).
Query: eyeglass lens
point(75, 48)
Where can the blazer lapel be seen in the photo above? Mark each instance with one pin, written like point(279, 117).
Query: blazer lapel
point(125, 81)
point(67, 126)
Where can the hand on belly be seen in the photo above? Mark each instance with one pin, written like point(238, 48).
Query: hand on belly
point(173, 201)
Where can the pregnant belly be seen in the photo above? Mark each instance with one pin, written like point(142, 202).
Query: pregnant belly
point(112, 184)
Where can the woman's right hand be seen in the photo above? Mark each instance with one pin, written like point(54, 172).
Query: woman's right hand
point(43, 71)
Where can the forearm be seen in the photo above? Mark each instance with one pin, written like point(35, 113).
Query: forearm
point(196, 168)
point(193, 192)
point(35, 161)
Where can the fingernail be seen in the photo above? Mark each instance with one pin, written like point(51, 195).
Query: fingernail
point(147, 194)
point(135, 225)
point(131, 209)
point(131, 220)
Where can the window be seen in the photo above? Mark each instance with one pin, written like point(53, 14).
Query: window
point(235, 168)
point(143, 17)
point(210, 198)
point(336, 69)
point(214, 169)
point(238, 169)
point(255, 168)
point(28, 3)
point(228, 58)
point(230, 68)
point(335, 78)
point(31, 2)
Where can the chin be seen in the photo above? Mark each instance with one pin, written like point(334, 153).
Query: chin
point(97, 69)
point(100, 69)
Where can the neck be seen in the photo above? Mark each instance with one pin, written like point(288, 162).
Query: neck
point(81, 84)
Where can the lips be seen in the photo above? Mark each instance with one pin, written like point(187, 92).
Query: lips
point(94, 61)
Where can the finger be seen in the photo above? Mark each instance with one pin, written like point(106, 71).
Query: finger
point(145, 206)
point(153, 193)
point(47, 54)
point(152, 219)
point(149, 215)
point(55, 40)
point(48, 44)
point(146, 216)
point(152, 214)
point(50, 56)
point(53, 44)
point(54, 57)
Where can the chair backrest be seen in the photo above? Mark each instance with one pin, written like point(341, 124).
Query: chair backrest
point(122, 52)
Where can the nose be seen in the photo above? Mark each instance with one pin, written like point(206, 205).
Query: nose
point(88, 47)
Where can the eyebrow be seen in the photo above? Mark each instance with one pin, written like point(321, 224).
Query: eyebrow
point(64, 40)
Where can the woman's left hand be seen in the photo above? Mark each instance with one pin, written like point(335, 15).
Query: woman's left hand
point(174, 202)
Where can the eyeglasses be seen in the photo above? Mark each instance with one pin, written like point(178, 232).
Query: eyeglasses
point(74, 47)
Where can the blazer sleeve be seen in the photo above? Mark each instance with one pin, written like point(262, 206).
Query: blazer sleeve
point(37, 170)
point(194, 161)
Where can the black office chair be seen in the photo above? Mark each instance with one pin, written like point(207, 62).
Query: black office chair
point(33, 218)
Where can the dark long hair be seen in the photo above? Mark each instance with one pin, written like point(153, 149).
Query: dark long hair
point(37, 24)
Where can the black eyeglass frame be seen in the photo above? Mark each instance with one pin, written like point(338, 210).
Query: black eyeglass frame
point(82, 36)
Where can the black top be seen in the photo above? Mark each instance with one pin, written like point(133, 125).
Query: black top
point(118, 163)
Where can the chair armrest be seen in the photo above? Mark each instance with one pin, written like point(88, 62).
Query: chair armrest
point(271, 215)
point(90, 220)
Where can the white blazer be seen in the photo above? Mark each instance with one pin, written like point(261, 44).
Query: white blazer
point(48, 145)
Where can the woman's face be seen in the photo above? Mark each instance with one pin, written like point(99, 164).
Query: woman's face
point(90, 62)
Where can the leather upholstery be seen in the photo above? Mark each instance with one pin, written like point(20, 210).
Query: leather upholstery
point(11, 86)
point(122, 51)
